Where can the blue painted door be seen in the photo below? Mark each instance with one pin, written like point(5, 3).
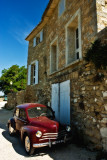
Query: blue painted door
point(61, 101)
point(55, 100)
point(65, 102)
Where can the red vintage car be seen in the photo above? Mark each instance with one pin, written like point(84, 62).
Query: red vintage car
point(37, 126)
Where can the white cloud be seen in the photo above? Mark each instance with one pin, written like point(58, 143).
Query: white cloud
point(20, 28)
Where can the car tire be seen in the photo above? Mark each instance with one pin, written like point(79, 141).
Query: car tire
point(28, 147)
point(11, 130)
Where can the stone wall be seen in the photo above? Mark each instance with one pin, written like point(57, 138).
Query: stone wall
point(101, 6)
point(89, 105)
point(15, 99)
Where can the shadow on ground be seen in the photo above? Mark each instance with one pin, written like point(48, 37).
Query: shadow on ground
point(62, 151)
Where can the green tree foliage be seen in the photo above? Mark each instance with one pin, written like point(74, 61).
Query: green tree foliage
point(15, 74)
point(97, 54)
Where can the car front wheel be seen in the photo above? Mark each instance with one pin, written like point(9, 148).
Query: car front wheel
point(28, 148)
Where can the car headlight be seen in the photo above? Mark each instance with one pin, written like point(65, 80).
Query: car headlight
point(68, 128)
point(38, 134)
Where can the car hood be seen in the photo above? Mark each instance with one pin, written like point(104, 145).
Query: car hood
point(46, 123)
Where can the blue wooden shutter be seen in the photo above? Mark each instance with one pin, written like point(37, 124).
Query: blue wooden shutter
point(29, 74)
point(36, 72)
point(55, 100)
point(65, 102)
point(34, 42)
point(61, 7)
point(41, 36)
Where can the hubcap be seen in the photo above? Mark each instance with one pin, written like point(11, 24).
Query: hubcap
point(27, 144)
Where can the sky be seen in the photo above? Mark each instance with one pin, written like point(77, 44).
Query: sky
point(17, 19)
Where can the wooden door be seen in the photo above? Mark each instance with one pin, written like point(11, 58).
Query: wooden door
point(61, 101)
point(55, 100)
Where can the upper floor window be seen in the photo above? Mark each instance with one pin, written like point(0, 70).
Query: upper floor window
point(73, 39)
point(54, 56)
point(33, 73)
point(38, 38)
point(77, 43)
point(61, 7)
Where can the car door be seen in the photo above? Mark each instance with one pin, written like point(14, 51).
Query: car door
point(20, 119)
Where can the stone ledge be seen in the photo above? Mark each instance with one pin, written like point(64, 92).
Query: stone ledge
point(66, 67)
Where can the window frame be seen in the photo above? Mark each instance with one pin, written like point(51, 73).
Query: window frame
point(78, 16)
point(55, 41)
point(77, 45)
point(38, 38)
point(31, 73)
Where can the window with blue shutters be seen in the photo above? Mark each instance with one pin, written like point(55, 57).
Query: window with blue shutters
point(33, 73)
point(38, 39)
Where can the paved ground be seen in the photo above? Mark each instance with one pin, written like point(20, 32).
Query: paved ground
point(12, 149)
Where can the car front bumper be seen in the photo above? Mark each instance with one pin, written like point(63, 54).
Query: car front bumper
point(50, 143)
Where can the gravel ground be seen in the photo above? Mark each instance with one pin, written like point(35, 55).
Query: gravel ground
point(11, 148)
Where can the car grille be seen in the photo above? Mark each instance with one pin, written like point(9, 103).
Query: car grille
point(62, 134)
point(51, 136)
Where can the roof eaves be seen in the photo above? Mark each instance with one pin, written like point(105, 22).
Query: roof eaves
point(44, 19)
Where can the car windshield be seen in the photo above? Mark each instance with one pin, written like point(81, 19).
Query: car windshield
point(40, 111)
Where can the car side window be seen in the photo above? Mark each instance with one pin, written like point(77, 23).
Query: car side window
point(22, 114)
point(17, 112)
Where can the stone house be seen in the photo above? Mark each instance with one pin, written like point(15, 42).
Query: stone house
point(59, 77)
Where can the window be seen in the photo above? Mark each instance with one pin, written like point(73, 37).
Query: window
point(61, 7)
point(40, 111)
point(73, 39)
point(53, 50)
point(22, 114)
point(77, 43)
point(17, 112)
point(38, 38)
point(33, 73)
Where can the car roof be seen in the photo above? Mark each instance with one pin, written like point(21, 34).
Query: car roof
point(29, 105)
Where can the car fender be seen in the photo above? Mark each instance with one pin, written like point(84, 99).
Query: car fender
point(30, 131)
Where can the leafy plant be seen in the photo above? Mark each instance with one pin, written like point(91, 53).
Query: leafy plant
point(97, 54)
point(15, 74)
